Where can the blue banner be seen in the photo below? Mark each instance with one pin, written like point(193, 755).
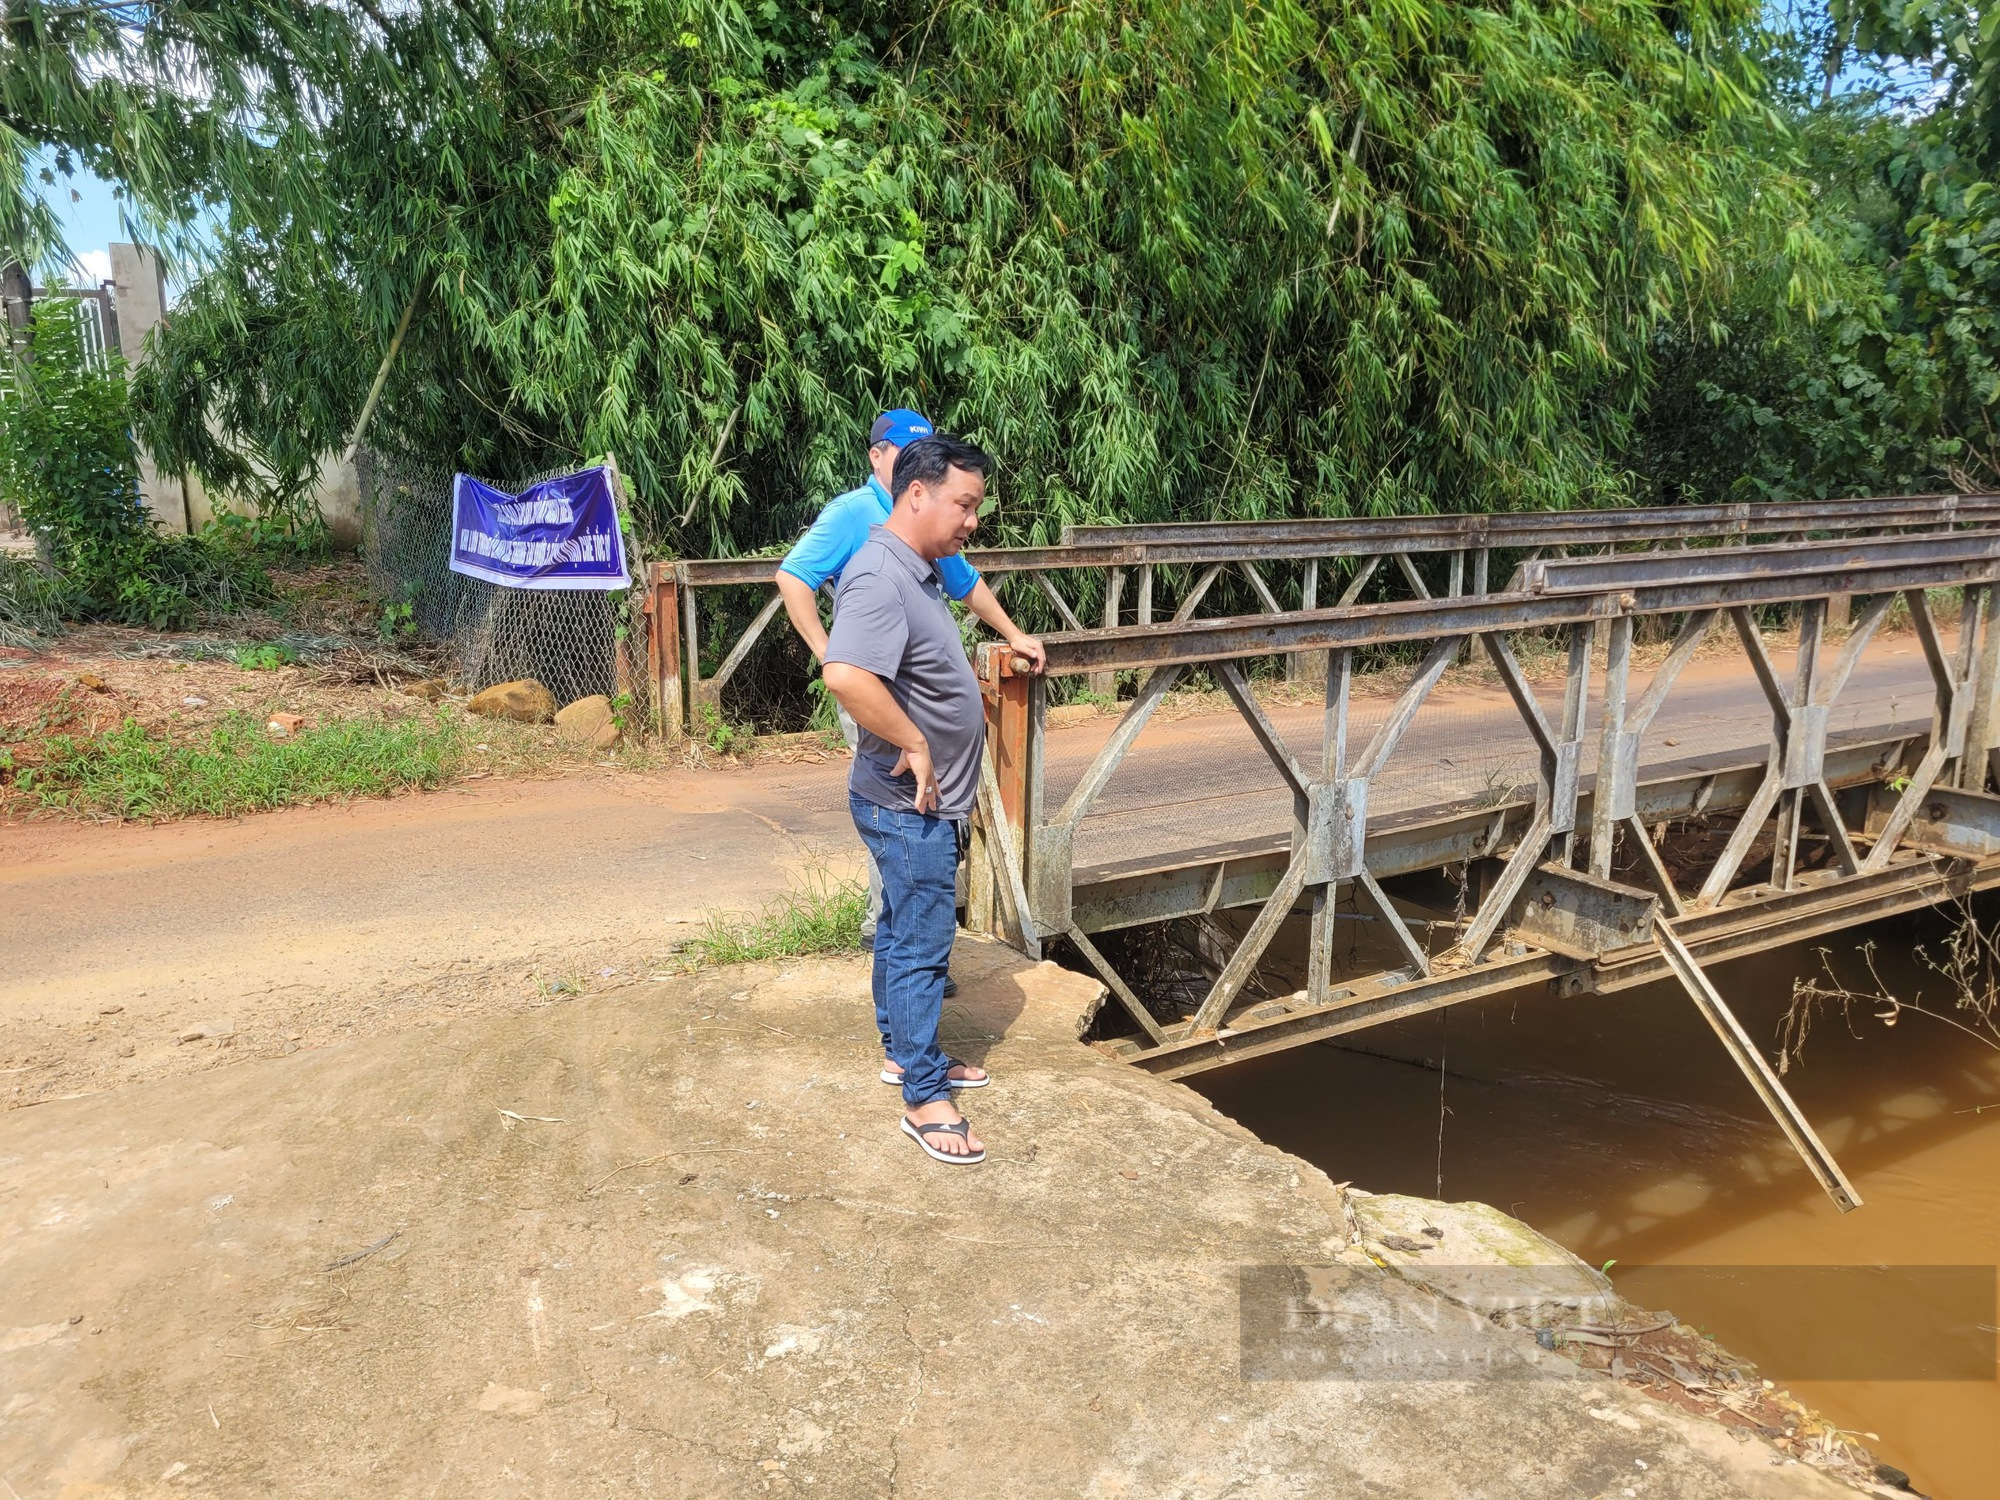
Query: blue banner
point(559, 534)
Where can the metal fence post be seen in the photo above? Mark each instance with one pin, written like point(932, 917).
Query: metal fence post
point(691, 649)
point(663, 650)
point(1605, 800)
point(1105, 684)
point(1982, 733)
point(982, 898)
point(1015, 714)
point(1307, 666)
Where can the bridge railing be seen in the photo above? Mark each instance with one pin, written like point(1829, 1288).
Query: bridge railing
point(1174, 569)
point(1738, 519)
point(1860, 808)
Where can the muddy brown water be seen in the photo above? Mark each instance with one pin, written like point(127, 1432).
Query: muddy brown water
point(1617, 1125)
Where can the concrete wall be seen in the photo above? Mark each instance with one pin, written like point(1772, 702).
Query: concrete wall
point(338, 493)
point(139, 290)
point(139, 293)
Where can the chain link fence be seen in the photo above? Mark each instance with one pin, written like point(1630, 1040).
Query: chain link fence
point(574, 642)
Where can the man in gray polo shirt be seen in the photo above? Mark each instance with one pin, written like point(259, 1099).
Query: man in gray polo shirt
point(840, 531)
point(896, 663)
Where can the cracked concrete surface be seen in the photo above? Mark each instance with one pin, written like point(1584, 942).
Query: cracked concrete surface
point(667, 1241)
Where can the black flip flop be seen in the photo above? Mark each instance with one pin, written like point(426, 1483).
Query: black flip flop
point(963, 1130)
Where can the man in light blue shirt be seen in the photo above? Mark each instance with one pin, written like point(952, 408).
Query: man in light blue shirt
point(830, 545)
point(843, 526)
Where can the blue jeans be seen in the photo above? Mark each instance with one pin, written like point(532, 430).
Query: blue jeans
point(851, 731)
point(918, 857)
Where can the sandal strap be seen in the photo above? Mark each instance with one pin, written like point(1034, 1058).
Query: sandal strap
point(962, 1129)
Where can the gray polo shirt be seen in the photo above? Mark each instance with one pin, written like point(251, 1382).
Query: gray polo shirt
point(890, 618)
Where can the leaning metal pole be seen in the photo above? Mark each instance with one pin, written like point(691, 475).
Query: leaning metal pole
point(1743, 1052)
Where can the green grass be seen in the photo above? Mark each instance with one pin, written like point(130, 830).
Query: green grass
point(817, 915)
point(236, 767)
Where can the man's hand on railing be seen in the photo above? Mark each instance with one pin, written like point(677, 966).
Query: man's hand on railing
point(1030, 647)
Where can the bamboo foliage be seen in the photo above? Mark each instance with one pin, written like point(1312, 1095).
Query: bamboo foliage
point(1166, 258)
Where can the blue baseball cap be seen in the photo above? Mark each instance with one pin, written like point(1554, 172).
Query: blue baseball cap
point(901, 427)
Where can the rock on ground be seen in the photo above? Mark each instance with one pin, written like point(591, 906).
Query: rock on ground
point(589, 722)
point(670, 1242)
point(526, 702)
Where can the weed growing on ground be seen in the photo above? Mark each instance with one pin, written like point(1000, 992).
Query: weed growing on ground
point(236, 767)
point(398, 624)
point(723, 737)
point(817, 915)
point(267, 657)
point(825, 719)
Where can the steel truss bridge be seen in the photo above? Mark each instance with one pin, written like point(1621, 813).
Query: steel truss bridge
point(1620, 819)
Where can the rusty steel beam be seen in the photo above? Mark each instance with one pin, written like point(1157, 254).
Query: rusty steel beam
point(1954, 704)
point(1743, 1052)
point(1235, 542)
point(1735, 932)
point(1725, 564)
point(1115, 982)
point(1107, 897)
point(1004, 853)
point(663, 649)
point(1239, 636)
point(717, 572)
point(1354, 1006)
point(1585, 916)
point(1818, 905)
point(1244, 545)
point(1965, 825)
point(707, 690)
point(1597, 526)
point(1012, 735)
point(1975, 763)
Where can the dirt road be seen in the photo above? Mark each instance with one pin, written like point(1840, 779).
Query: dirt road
point(297, 928)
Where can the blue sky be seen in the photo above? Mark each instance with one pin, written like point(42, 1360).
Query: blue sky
point(90, 221)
